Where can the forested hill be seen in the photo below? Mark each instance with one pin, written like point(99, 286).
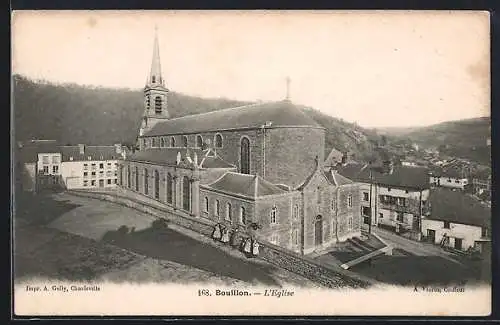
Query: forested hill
point(72, 114)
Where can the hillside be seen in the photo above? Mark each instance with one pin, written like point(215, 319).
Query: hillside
point(74, 114)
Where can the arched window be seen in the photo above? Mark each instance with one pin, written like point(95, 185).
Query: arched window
point(217, 209)
point(157, 185)
point(148, 102)
point(185, 141)
point(170, 185)
point(128, 176)
point(245, 156)
point(296, 212)
point(199, 141)
point(206, 204)
point(243, 217)
point(153, 79)
point(172, 142)
point(146, 185)
point(274, 213)
point(137, 179)
point(218, 141)
point(158, 103)
point(186, 193)
point(228, 212)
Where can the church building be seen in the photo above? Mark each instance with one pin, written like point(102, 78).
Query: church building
point(255, 169)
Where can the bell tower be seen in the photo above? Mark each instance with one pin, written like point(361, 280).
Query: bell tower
point(155, 93)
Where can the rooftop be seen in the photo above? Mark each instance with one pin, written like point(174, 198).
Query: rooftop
point(245, 185)
point(402, 176)
point(281, 113)
point(458, 207)
point(94, 152)
point(168, 156)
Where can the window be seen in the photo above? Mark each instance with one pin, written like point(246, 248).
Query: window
point(136, 178)
point(157, 185)
point(85, 183)
point(274, 239)
point(45, 170)
point(93, 166)
point(115, 181)
point(274, 211)
point(484, 232)
point(109, 165)
point(295, 237)
point(85, 174)
point(381, 216)
point(172, 142)
point(245, 156)
point(296, 212)
point(218, 141)
point(350, 224)
point(349, 200)
point(146, 185)
point(55, 169)
point(365, 196)
point(228, 212)
point(89, 158)
point(318, 195)
point(457, 181)
point(217, 208)
point(206, 204)
point(45, 159)
point(70, 158)
point(101, 173)
point(186, 193)
point(446, 225)
point(162, 142)
point(185, 141)
point(388, 189)
point(92, 183)
point(154, 143)
point(153, 79)
point(401, 201)
point(199, 141)
point(93, 174)
point(85, 166)
point(129, 185)
point(55, 159)
point(109, 181)
point(406, 191)
point(170, 185)
point(243, 217)
point(158, 104)
point(365, 211)
point(101, 165)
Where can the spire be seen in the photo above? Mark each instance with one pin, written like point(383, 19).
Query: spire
point(287, 88)
point(155, 77)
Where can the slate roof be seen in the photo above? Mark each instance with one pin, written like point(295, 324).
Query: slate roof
point(281, 113)
point(402, 176)
point(95, 152)
point(245, 185)
point(458, 207)
point(168, 156)
point(451, 171)
point(336, 179)
point(30, 150)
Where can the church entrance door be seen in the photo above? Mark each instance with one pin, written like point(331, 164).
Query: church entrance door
point(318, 231)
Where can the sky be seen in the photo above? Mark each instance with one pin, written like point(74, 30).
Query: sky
point(378, 68)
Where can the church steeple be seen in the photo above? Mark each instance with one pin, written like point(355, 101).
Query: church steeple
point(155, 93)
point(155, 77)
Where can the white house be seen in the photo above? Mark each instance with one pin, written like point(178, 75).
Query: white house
point(457, 220)
point(450, 178)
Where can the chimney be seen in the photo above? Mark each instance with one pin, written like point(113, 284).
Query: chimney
point(82, 149)
point(118, 148)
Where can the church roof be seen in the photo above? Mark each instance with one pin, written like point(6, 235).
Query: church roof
point(29, 151)
point(168, 156)
point(245, 185)
point(336, 179)
point(281, 113)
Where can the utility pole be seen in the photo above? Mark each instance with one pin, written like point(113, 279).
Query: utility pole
point(370, 217)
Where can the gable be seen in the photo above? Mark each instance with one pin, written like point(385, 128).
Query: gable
point(317, 179)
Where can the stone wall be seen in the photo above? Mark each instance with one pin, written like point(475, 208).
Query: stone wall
point(310, 269)
point(306, 267)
